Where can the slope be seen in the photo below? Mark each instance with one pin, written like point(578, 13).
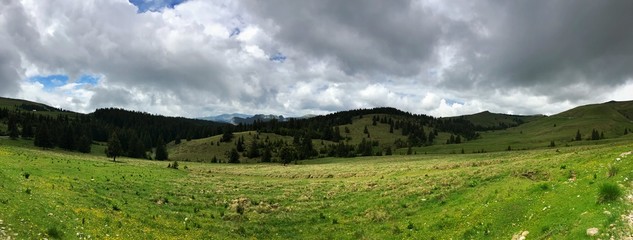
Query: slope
point(490, 121)
point(608, 118)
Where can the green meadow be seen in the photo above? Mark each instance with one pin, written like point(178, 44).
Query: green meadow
point(550, 193)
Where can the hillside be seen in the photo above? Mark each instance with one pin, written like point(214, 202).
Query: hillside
point(608, 119)
point(495, 121)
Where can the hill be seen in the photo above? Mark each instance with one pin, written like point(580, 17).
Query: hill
point(608, 119)
point(486, 120)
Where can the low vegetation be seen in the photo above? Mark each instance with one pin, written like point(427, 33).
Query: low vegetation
point(549, 193)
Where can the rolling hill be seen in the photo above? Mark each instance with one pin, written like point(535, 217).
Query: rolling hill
point(497, 132)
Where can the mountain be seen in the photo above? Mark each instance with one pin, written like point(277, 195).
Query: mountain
point(258, 117)
point(226, 118)
point(239, 118)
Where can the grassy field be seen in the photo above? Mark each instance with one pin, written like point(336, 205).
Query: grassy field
point(551, 194)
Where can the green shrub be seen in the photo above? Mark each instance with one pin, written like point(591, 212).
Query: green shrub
point(54, 233)
point(609, 192)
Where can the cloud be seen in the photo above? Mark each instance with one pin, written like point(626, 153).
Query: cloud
point(195, 58)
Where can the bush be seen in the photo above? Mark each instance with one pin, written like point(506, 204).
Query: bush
point(174, 165)
point(609, 192)
point(26, 175)
point(54, 233)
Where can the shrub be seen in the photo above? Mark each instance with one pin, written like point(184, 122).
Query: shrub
point(54, 233)
point(609, 192)
point(174, 165)
point(26, 175)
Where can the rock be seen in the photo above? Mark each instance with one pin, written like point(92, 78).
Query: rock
point(592, 232)
point(520, 236)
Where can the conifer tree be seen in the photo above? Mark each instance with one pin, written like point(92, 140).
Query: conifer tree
point(240, 144)
point(578, 136)
point(42, 137)
point(136, 148)
point(253, 150)
point(84, 144)
point(161, 149)
point(14, 133)
point(267, 155)
point(234, 156)
point(27, 129)
point(114, 148)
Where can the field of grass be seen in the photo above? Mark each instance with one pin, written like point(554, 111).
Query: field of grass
point(551, 194)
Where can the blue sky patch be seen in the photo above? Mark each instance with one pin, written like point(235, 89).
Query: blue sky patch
point(51, 81)
point(155, 5)
point(278, 57)
point(88, 80)
point(451, 102)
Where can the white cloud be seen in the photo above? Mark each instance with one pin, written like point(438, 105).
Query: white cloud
point(418, 57)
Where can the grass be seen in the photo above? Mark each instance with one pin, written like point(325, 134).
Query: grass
point(469, 196)
point(609, 192)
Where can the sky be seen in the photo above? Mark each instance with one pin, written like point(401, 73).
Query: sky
point(286, 57)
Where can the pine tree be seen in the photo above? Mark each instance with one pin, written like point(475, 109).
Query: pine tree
point(68, 138)
point(12, 125)
point(227, 136)
point(84, 144)
point(27, 129)
point(136, 148)
point(114, 148)
point(267, 155)
point(552, 144)
point(42, 137)
point(161, 150)
point(287, 154)
point(594, 134)
point(578, 136)
point(234, 156)
point(240, 144)
point(253, 150)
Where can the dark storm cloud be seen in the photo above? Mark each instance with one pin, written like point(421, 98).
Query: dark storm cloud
point(549, 45)
point(14, 31)
point(297, 57)
point(387, 37)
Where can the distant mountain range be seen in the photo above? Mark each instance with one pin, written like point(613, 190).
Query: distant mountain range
point(239, 118)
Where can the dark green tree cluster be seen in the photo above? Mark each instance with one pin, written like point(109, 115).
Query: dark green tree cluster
point(366, 148)
point(595, 135)
point(454, 139)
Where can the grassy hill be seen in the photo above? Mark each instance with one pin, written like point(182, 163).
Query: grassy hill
point(488, 120)
point(534, 132)
point(608, 118)
point(550, 194)
point(28, 106)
